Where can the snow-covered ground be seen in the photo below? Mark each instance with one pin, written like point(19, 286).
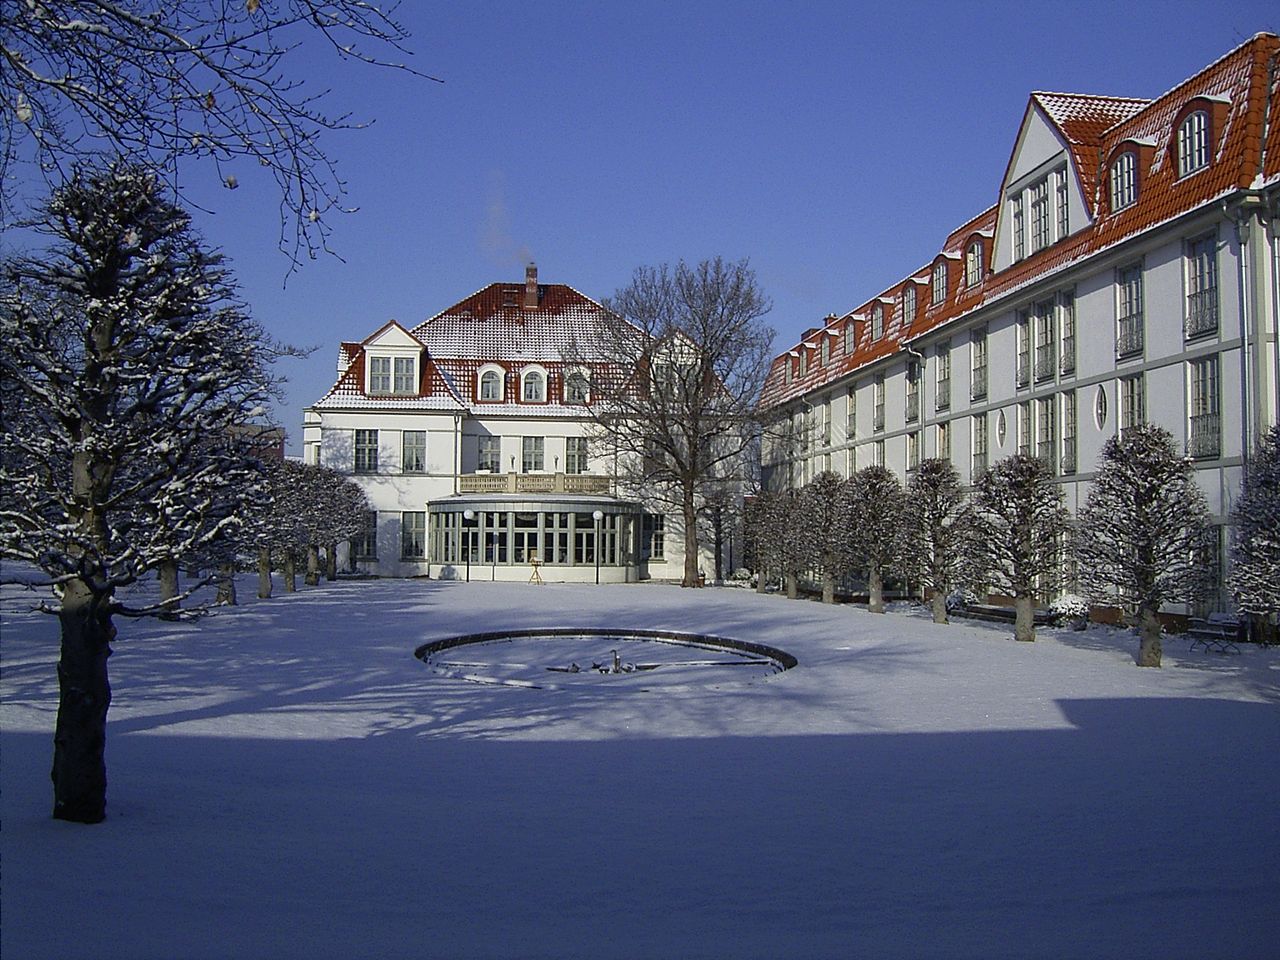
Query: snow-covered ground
point(286, 780)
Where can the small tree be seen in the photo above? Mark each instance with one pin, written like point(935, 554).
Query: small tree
point(762, 527)
point(1255, 571)
point(796, 552)
point(938, 520)
point(1021, 524)
point(1143, 531)
point(825, 509)
point(130, 364)
point(876, 531)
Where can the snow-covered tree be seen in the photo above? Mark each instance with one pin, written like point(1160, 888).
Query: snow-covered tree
point(330, 509)
point(796, 553)
point(877, 528)
point(760, 530)
point(825, 510)
point(129, 362)
point(1255, 571)
point(1143, 531)
point(938, 523)
point(1021, 525)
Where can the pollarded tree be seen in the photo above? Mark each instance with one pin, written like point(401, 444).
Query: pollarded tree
point(1021, 525)
point(1255, 572)
point(877, 529)
point(1144, 531)
point(330, 509)
point(938, 520)
point(825, 508)
point(132, 363)
point(762, 531)
point(796, 553)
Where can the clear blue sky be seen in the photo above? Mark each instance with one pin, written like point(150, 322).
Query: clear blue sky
point(833, 144)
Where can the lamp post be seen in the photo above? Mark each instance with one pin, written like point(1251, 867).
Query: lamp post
point(468, 516)
point(597, 517)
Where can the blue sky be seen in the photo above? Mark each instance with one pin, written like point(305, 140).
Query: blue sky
point(833, 144)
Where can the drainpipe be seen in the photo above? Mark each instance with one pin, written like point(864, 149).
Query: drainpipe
point(457, 452)
point(1241, 214)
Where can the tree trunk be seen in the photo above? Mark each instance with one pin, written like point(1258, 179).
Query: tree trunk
point(690, 516)
point(169, 589)
point(226, 585)
point(793, 586)
point(939, 604)
point(290, 571)
point(717, 521)
point(331, 562)
point(1149, 644)
point(876, 591)
point(84, 694)
point(828, 588)
point(762, 580)
point(1024, 623)
point(264, 573)
point(313, 564)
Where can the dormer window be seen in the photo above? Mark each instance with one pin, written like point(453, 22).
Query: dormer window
point(576, 387)
point(379, 374)
point(804, 360)
point(1124, 181)
point(826, 351)
point(393, 376)
point(491, 385)
point(1193, 143)
point(909, 304)
point(877, 321)
point(535, 387)
point(939, 284)
point(850, 337)
point(973, 264)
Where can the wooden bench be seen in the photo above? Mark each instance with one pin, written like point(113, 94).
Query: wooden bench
point(989, 611)
point(1218, 633)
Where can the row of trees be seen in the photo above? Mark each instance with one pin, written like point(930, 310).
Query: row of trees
point(1142, 539)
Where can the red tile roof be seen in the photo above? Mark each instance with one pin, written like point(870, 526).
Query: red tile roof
point(1234, 88)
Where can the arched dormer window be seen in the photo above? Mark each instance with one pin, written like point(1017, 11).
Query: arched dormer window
point(1193, 142)
point(938, 286)
point(533, 389)
point(877, 321)
point(973, 264)
point(491, 382)
point(909, 304)
point(850, 337)
point(577, 389)
point(1124, 181)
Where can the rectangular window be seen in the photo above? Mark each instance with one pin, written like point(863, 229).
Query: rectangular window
point(1039, 215)
point(1129, 309)
point(944, 441)
point(366, 451)
point(404, 382)
point(909, 303)
point(1019, 230)
point(979, 445)
point(913, 450)
point(413, 535)
point(1023, 374)
point(490, 454)
point(1063, 204)
point(532, 454)
point(1133, 402)
point(877, 321)
point(414, 451)
point(1204, 439)
point(653, 541)
point(939, 287)
point(365, 546)
point(913, 391)
point(379, 374)
point(826, 350)
point(850, 337)
point(1067, 307)
point(1024, 428)
point(1046, 342)
point(824, 422)
point(575, 455)
point(877, 402)
point(978, 373)
point(851, 414)
point(877, 453)
point(1202, 287)
point(942, 399)
point(1069, 428)
point(1047, 446)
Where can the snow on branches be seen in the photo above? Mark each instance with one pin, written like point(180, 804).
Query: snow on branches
point(1255, 572)
point(938, 518)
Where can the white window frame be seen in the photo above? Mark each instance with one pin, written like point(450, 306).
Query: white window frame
point(572, 377)
point(413, 535)
point(576, 455)
point(482, 377)
point(1124, 181)
point(1193, 143)
point(938, 283)
point(877, 321)
point(973, 264)
point(528, 377)
point(365, 446)
point(414, 465)
point(491, 460)
point(533, 454)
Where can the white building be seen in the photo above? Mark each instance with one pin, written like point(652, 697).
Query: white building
point(470, 434)
point(1127, 271)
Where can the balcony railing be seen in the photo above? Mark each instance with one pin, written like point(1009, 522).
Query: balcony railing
point(1045, 451)
point(1024, 369)
point(1202, 312)
point(1046, 362)
point(979, 464)
point(1129, 341)
point(1205, 438)
point(913, 408)
point(1068, 362)
point(1069, 455)
point(943, 400)
point(978, 383)
point(581, 483)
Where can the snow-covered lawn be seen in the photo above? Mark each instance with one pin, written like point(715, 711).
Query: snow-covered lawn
point(286, 780)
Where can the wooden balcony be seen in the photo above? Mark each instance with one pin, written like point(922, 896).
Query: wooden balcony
point(589, 484)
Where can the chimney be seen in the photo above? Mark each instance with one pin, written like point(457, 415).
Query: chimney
point(531, 287)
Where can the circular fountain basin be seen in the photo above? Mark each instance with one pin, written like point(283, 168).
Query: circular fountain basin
point(559, 658)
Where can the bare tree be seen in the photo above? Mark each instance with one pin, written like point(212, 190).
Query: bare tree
point(1021, 525)
point(158, 82)
point(685, 351)
point(1143, 532)
point(130, 363)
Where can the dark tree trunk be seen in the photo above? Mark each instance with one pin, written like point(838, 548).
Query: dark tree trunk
point(717, 524)
point(1149, 643)
point(226, 585)
point(169, 589)
point(290, 572)
point(313, 564)
point(690, 516)
point(331, 562)
point(762, 580)
point(828, 588)
point(264, 572)
point(875, 590)
point(938, 603)
point(84, 694)
point(1024, 623)
point(793, 586)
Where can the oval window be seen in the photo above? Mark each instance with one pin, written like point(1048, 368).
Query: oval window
point(1002, 428)
point(1100, 407)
